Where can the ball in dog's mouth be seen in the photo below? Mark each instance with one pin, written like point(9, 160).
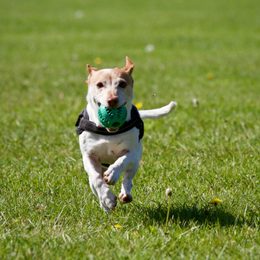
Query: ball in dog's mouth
point(112, 118)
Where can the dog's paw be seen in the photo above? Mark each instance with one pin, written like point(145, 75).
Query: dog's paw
point(108, 201)
point(125, 198)
point(111, 175)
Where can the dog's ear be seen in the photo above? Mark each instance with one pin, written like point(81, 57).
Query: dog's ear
point(129, 66)
point(90, 69)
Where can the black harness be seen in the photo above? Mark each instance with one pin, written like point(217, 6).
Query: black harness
point(84, 124)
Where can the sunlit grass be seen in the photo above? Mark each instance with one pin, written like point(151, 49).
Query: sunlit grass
point(204, 55)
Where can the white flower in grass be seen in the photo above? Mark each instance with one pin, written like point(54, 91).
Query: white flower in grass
point(149, 48)
point(168, 192)
point(79, 14)
point(195, 102)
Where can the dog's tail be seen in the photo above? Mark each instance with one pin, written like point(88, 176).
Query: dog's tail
point(158, 112)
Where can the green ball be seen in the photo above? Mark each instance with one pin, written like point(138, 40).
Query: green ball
point(112, 117)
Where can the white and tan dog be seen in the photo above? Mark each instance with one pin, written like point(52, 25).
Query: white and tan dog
point(109, 152)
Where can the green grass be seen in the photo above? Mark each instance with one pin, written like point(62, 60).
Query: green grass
point(207, 50)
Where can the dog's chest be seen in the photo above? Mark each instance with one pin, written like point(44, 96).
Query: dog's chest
point(109, 148)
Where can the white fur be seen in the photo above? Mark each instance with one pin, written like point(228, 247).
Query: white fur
point(159, 112)
point(110, 149)
point(123, 151)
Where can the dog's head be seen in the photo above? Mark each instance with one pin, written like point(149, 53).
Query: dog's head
point(111, 88)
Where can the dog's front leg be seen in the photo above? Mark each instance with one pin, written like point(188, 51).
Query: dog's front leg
point(112, 174)
point(128, 162)
point(93, 167)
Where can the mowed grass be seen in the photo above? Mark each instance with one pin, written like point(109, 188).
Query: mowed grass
point(208, 50)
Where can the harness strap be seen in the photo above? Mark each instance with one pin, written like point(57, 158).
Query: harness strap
point(84, 124)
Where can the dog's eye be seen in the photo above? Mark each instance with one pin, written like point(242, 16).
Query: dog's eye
point(122, 84)
point(100, 85)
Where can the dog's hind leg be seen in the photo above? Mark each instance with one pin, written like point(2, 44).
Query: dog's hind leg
point(125, 194)
point(130, 171)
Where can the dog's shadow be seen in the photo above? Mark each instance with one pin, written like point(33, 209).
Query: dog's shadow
point(185, 214)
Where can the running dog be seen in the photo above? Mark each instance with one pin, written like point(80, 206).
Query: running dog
point(109, 152)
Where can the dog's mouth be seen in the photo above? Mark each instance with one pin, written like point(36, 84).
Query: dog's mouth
point(99, 104)
point(112, 130)
point(111, 118)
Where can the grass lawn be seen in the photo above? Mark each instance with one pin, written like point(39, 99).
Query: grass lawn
point(208, 50)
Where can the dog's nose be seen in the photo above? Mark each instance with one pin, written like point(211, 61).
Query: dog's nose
point(113, 101)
